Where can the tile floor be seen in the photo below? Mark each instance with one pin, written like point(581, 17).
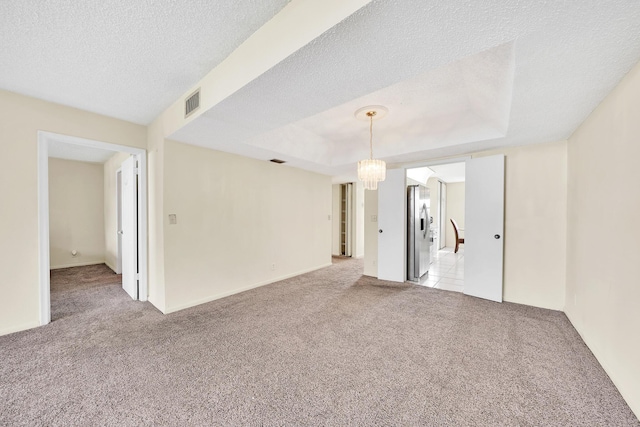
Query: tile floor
point(447, 271)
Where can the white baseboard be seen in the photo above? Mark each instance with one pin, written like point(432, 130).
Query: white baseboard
point(239, 290)
point(108, 264)
point(79, 264)
point(156, 305)
point(19, 328)
point(626, 394)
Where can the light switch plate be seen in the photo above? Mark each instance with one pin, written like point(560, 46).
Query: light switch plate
point(173, 219)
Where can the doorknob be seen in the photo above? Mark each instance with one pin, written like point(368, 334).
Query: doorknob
point(497, 236)
point(120, 232)
point(380, 231)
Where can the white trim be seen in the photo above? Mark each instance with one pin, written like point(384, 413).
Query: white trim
point(143, 286)
point(243, 289)
point(19, 328)
point(43, 211)
point(110, 266)
point(43, 228)
point(597, 353)
point(79, 264)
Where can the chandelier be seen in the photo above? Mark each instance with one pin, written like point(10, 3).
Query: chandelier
point(371, 171)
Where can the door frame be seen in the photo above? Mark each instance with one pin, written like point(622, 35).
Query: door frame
point(442, 215)
point(43, 212)
point(404, 166)
point(119, 219)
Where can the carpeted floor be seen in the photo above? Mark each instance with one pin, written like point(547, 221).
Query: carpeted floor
point(327, 348)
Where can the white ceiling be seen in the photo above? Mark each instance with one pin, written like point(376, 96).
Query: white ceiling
point(450, 172)
point(124, 59)
point(65, 150)
point(420, 174)
point(457, 76)
point(465, 101)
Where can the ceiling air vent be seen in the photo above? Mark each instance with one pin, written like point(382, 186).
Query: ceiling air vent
point(192, 103)
point(276, 161)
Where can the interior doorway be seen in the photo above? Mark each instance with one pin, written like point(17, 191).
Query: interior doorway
point(136, 212)
point(347, 227)
point(483, 226)
point(443, 267)
point(346, 214)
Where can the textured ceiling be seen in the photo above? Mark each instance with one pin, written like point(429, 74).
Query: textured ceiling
point(450, 172)
point(553, 62)
point(457, 76)
point(65, 150)
point(124, 59)
point(465, 101)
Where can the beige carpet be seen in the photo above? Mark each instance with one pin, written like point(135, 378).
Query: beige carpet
point(326, 348)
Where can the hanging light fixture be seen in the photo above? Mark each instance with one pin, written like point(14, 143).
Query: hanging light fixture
point(371, 171)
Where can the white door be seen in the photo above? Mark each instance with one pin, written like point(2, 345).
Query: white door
point(392, 203)
point(129, 205)
point(484, 227)
point(119, 219)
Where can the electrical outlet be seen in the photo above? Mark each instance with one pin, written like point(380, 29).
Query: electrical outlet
point(374, 218)
point(173, 219)
point(273, 267)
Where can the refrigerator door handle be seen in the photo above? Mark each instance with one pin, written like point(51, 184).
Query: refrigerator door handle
point(423, 217)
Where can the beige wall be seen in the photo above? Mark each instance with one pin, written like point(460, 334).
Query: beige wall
point(76, 213)
point(22, 118)
point(535, 225)
point(603, 250)
point(455, 210)
point(155, 161)
point(241, 223)
point(111, 209)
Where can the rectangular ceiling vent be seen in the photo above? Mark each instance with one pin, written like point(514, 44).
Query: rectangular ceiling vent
point(277, 161)
point(192, 103)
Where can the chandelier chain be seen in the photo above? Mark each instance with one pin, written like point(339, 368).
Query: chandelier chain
point(371, 136)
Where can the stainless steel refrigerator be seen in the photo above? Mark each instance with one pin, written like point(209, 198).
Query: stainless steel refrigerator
point(419, 232)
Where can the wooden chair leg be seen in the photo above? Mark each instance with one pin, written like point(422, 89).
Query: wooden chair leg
point(456, 249)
